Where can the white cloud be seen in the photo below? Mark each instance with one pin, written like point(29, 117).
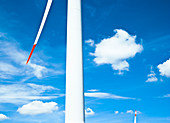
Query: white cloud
point(13, 55)
point(152, 76)
point(3, 117)
point(93, 90)
point(41, 88)
point(38, 107)
point(23, 93)
point(129, 111)
point(12, 50)
point(102, 95)
point(164, 68)
point(152, 79)
point(90, 42)
point(89, 111)
point(7, 69)
point(18, 56)
point(117, 50)
point(38, 70)
point(116, 112)
point(3, 76)
point(138, 112)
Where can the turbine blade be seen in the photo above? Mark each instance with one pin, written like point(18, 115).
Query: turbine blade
point(41, 27)
point(43, 20)
point(31, 53)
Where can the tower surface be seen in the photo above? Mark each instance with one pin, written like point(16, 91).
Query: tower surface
point(74, 110)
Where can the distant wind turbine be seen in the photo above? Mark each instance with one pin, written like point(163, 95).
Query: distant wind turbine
point(135, 116)
point(74, 63)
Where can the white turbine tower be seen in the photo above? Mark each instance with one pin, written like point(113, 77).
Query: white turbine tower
point(135, 116)
point(74, 63)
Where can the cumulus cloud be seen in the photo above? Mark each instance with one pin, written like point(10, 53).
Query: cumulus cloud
point(152, 76)
point(90, 42)
point(117, 50)
point(23, 93)
point(38, 107)
point(164, 68)
point(3, 117)
point(102, 95)
point(89, 111)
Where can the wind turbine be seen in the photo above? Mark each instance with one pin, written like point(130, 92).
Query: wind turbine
point(135, 116)
point(74, 110)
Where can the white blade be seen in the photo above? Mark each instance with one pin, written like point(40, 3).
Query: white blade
point(43, 20)
point(41, 27)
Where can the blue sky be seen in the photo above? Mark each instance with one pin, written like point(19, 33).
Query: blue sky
point(126, 61)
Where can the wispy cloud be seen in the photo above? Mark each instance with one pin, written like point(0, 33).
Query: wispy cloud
point(116, 50)
point(103, 95)
point(6, 70)
point(38, 70)
point(152, 76)
point(93, 90)
point(133, 112)
point(14, 59)
point(129, 111)
point(38, 107)
point(166, 96)
point(139, 112)
point(23, 93)
point(90, 42)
